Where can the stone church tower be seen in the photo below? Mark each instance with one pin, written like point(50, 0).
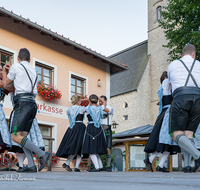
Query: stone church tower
point(134, 92)
point(158, 58)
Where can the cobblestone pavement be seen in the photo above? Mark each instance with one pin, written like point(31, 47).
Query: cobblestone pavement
point(100, 180)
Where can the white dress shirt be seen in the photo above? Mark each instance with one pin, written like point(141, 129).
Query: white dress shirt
point(167, 87)
point(110, 116)
point(178, 74)
point(21, 80)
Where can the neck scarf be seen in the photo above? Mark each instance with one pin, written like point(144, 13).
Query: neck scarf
point(73, 111)
point(97, 115)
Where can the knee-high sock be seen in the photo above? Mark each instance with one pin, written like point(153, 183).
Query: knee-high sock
point(78, 161)
point(26, 143)
point(29, 156)
point(187, 158)
point(94, 160)
point(99, 161)
point(108, 160)
point(154, 154)
point(185, 143)
point(163, 159)
point(21, 157)
point(69, 159)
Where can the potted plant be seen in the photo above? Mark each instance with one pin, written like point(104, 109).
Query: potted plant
point(48, 92)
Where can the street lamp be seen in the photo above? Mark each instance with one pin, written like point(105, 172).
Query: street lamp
point(114, 124)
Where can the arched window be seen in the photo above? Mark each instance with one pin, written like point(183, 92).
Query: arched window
point(159, 8)
point(125, 105)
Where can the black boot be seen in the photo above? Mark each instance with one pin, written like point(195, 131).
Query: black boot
point(109, 169)
point(148, 164)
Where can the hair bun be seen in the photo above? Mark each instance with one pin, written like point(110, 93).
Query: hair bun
point(75, 99)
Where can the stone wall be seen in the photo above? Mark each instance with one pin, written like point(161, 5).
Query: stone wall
point(138, 110)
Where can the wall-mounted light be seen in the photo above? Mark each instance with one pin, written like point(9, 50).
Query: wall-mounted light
point(99, 83)
point(114, 124)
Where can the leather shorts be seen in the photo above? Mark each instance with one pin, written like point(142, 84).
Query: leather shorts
point(24, 114)
point(108, 133)
point(185, 113)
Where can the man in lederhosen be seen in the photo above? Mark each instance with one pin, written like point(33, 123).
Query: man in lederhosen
point(106, 124)
point(184, 75)
point(24, 77)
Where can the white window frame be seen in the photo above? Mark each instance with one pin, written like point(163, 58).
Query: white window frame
point(54, 133)
point(50, 65)
point(11, 51)
point(81, 76)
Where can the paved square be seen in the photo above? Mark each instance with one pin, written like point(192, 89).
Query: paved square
point(103, 181)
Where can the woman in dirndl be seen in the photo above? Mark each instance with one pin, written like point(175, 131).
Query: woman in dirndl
point(71, 144)
point(160, 140)
point(94, 143)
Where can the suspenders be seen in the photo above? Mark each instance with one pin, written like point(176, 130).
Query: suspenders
point(189, 73)
point(33, 85)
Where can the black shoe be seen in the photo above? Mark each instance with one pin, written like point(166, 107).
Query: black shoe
point(19, 168)
point(17, 164)
point(27, 169)
point(187, 169)
point(94, 170)
point(109, 169)
point(102, 169)
point(197, 165)
point(159, 169)
point(44, 160)
point(76, 170)
point(148, 164)
point(67, 167)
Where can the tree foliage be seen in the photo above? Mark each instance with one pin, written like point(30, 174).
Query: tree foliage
point(181, 24)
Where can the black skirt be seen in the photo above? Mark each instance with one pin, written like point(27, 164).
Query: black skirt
point(153, 141)
point(72, 141)
point(94, 141)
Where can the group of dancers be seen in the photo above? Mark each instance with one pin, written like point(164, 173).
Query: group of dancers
point(173, 132)
point(176, 128)
point(80, 141)
point(23, 135)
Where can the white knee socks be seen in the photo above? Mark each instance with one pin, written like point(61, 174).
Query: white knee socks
point(99, 161)
point(69, 159)
point(163, 159)
point(21, 157)
point(78, 161)
point(94, 160)
point(154, 154)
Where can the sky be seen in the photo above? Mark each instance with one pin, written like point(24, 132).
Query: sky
point(106, 26)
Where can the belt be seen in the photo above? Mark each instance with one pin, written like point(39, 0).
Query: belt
point(186, 90)
point(79, 121)
point(24, 97)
